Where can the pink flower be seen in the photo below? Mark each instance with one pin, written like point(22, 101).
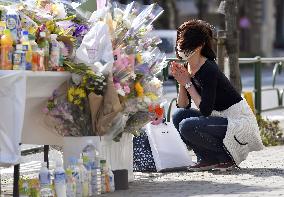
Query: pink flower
point(126, 89)
point(117, 86)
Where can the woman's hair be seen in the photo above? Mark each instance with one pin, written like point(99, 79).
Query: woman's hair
point(195, 33)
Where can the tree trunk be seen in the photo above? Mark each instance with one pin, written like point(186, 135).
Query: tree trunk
point(232, 42)
point(168, 20)
point(202, 8)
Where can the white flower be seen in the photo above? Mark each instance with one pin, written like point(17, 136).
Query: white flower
point(60, 11)
point(117, 14)
point(127, 23)
point(147, 100)
point(76, 78)
point(133, 75)
point(120, 92)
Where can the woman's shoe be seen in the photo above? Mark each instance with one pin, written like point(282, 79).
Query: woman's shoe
point(202, 166)
point(223, 167)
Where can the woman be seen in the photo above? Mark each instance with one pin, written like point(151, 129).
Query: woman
point(223, 130)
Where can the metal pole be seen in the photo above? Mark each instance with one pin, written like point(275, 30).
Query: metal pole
point(257, 85)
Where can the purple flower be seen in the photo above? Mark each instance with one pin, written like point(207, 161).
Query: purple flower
point(79, 29)
point(55, 93)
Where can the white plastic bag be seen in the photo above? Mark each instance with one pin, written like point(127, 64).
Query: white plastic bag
point(96, 45)
point(168, 149)
point(12, 105)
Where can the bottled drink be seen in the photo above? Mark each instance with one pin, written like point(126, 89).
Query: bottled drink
point(84, 178)
point(60, 180)
point(43, 44)
point(111, 179)
point(104, 177)
point(27, 49)
point(13, 23)
point(76, 174)
point(45, 181)
point(70, 184)
point(91, 161)
point(35, 55)
point(54, 53)
point(6, 50)
point(19, 58)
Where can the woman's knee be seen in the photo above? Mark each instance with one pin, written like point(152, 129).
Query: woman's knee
point(177, 117)
point(188, 128)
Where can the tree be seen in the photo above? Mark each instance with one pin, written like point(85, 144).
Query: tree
point(202, 8)
point(168, 20)
point(232, 42)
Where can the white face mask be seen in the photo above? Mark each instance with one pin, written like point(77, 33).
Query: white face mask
point(184, 56)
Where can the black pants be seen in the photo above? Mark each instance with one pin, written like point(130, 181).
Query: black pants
point(203, 134)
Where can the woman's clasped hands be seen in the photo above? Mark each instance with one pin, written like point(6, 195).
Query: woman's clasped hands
point(180, 73)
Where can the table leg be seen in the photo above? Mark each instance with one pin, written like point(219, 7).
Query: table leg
point(16, 180)
point(45, 151)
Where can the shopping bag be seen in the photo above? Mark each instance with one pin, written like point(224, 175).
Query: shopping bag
point(143, 160)
point(168, 149)
point(12, 105)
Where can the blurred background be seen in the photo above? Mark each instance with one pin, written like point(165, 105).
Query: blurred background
point(260, 22)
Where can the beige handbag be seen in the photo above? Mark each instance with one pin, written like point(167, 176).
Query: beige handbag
point(104, 108)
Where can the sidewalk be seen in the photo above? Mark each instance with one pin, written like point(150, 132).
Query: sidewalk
point(262, 174)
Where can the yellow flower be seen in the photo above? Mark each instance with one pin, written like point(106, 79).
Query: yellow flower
point(77, 102)
point(139, 89)
point(152, 96)
point(84, 81)
point(90, 72)
point(80, 92)
point(50, 25)
point(139, 58)
point(70, 95)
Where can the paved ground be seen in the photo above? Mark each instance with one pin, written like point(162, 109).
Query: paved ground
point(262, 174)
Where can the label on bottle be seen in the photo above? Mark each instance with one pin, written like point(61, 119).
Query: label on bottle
point(44, 178)
point(59, 177)
point(11, 22)
point(25, 47)
point(17, 59)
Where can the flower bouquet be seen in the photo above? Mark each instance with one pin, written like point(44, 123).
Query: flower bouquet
point(114, 61)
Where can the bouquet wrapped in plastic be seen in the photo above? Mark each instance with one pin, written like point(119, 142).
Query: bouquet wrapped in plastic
point(114, 43)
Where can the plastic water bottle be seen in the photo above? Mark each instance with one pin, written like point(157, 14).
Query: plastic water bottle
point(27, 49)
point(45, 182)
point(54, 53)
point(111, 179)
point(13, 23)
point(84, 178)
point(44, 46)
point(104, 177)
point(91, 161)
point(60, 180)
point(76, 174)
point(70, 183)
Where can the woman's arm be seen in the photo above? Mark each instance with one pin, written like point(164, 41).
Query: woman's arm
point(182, 100)
point(194, 95)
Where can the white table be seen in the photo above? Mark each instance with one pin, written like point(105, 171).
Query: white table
point(39, 87)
